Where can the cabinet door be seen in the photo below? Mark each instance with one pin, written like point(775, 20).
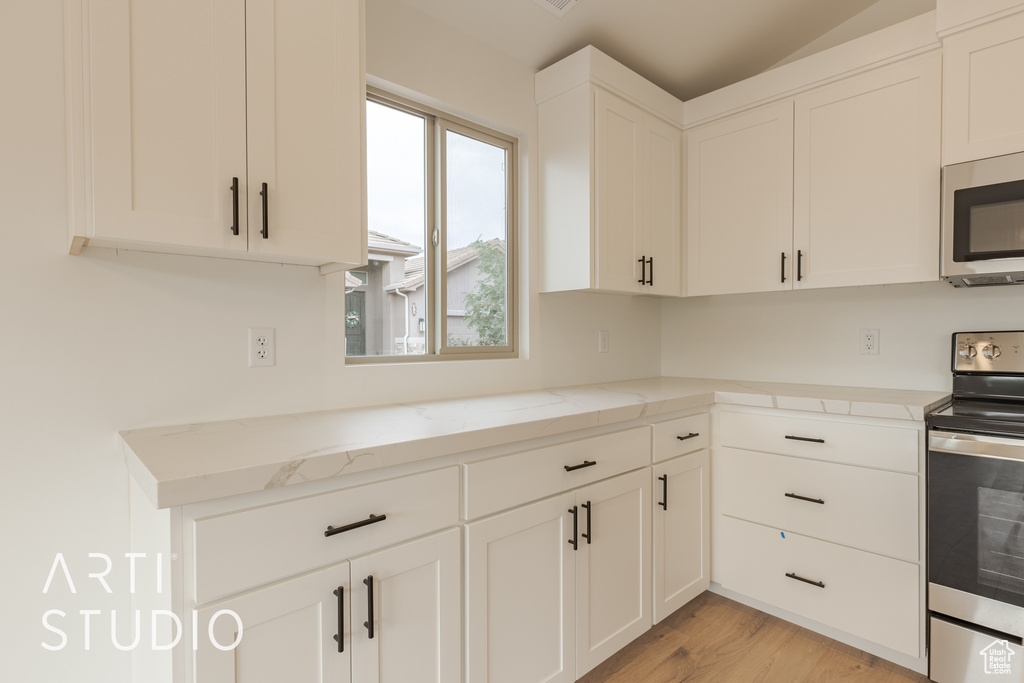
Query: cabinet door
point(661, 206)
point(983, 98)
point(617, 134)
point(613, 566)
point(866, 177)
point(739, 199)
point(519, 596)
point(166, 104)
point(306, 109)
point(416, 615)
point(287, 633)
point(682, 514)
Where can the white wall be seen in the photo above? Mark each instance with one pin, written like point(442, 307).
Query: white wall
point(115, 340)
point(812, 336)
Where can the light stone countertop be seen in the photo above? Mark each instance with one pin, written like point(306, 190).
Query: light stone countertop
point(191, 463)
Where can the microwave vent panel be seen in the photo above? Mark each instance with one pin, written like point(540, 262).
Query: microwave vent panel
point(557, 7)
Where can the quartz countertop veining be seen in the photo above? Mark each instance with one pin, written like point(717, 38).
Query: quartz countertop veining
point(190, 463)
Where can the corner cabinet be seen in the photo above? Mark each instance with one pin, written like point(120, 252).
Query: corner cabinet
point(838, 186)
point(610, 188)
point(217, 128)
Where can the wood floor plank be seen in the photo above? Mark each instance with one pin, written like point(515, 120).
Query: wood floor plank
point(716, 640)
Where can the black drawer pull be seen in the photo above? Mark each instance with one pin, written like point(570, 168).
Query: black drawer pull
point(369, 606)
point(372, 519)
point(340, 592)
point(809, 500)
point(650, 276)
point(574, 541)
point(586, 463)
point(783, 266)
point(804, 438)
point(691, 435)
point(819, 584)
point(234, 206)
point(799, 265)
point(664, 491)
point(587, 535)
point(265, 193)
point(643, 270)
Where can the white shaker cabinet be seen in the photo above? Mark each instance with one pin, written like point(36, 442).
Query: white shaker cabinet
point(866, 177)
point(414, 615)
point(983, 91)
point(682, 531)
point(217, 128)
point(288, 633)
point(610, 185)
point(838, 186)
point(739, 203)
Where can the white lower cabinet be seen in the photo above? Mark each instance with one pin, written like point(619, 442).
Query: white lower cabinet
point(682, 532)
point(407, 632)
point(411, 627)
point(555, 587)
point(287, 633)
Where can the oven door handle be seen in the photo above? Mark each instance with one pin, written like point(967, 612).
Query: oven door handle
point(1000, 448)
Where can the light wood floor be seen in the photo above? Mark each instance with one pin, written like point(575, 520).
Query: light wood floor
point(716, 640)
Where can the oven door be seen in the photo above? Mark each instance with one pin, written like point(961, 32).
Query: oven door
point(976, 529)
point(983, 220)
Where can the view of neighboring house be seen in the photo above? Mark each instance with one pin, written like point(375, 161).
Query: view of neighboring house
point(385, 301)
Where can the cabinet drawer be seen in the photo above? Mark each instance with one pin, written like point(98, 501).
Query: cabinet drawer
point(681, 436)
point(511, 480)
point(855, 506)
point(864, 594)
point(881, 446)
point(240, 550)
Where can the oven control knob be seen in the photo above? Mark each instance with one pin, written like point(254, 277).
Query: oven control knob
point(968, 352)
point(991, 352)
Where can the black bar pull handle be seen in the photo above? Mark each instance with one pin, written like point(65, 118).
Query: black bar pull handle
point(791, 575)
point(372, 519)
point(643, 270)
point(664, 491)
point(234, 206)
point(799, 265)
point(819, 501)
point(587, 535)
point(265, 193)
point(783, 266)
point(586, 463)
point(369, 606)
point(340, 592)
point(574, 541)
point(691, 435)
point(804, 438)
point(650, 275)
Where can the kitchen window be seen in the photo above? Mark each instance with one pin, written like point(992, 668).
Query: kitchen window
point(440, 280)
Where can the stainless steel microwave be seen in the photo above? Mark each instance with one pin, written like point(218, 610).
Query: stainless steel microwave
point(983, 222)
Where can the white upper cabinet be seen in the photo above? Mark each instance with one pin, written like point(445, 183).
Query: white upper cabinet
point(739, 202)
point(170, 103)
point(610, 183)
point(866, 177)
point(838, 186)
point(983, 91)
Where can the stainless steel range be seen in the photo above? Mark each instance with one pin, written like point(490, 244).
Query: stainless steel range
point(976, 514)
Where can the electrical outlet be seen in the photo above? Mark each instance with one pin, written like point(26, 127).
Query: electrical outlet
point(262, 347)
point(869, 342)
point(602, 341)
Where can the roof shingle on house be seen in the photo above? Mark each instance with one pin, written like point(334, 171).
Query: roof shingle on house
point(456, 257)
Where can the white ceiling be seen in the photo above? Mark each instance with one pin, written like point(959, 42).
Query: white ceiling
point(688, 47)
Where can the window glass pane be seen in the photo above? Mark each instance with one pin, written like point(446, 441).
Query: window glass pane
point(477, 232)
point(385, 301)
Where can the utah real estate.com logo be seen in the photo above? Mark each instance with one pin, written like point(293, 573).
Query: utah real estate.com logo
point(997, 657)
